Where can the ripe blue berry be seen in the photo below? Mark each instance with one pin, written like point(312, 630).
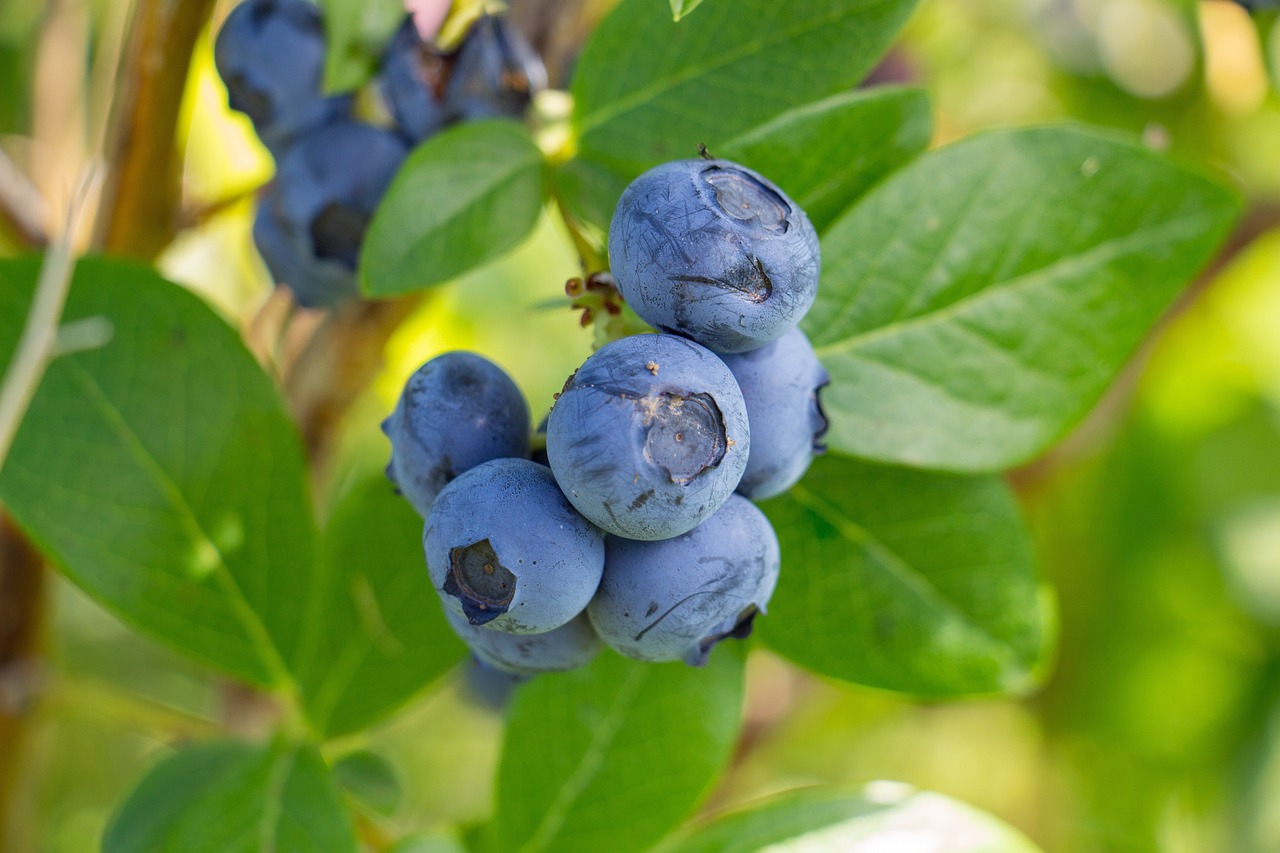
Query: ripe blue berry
point(457, 411)
point(505, 549)
point(713, 251)
point(675, 599)
point(780, 384)
point(649, 437)
point(412, 83)
point(496, 73)
point(271, 55)
point(570, 646)
point(314, 215)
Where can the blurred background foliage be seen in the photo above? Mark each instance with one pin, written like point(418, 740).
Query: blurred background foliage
point(1157, 521)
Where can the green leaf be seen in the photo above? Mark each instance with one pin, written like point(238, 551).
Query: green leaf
point(909, 581)
point(612, 756)
point(161, 473)
point(680, 8)
point(975, 305)
point(465, 196)
point(225, 797)
point(826, 154)
point(647, 90)
point(356, 32)
point(370, 778)
point(429, 843)
point(376, 634)
point(886, 816)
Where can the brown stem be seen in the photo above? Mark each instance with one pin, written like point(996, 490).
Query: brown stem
point(22, 591)
point(141, 201)
point(335, 365)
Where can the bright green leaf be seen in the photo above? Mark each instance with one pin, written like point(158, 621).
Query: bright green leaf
point(161, 472)
point(647, 90)
point(885, 816)
point(614, 755)
point(909, 581)
point(680, 8)
point(225, 797)
point(465, 196)
point(356, 32)
point(975, 305)
point(826, 154)
point(376, 633)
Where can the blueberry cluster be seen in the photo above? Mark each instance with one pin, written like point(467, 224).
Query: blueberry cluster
point(332, 168)
point(636, 528)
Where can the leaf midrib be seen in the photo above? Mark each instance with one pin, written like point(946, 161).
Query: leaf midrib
point(450, 209)
point(1094, 257)
point(601, 739)
point(927, 593)
point(235, 597)
point(620, 106)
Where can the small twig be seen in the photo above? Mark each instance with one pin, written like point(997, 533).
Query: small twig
point(198, 214)
point(589, 255)
point(39, 341)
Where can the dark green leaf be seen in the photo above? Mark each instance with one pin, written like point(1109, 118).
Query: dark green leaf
point(225, 797)
point(886, 816)
point(826, 154)
point(370, 778)
point(647, 90)
point(465, 196)
point(162, 474)
point(910, 581)
point(975, 305)
point(612, 756)
point(375, 629)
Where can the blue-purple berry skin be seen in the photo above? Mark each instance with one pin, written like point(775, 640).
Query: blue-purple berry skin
point(714, 251)
point(313, 217)
point(488, 687)
point(456, 411)
point(411, 81)
point(675, 599)
point(780, 383)
point(570, 646)
point(271, 55)
point(496, 72)
point(292, 262)
point(505, 549)
point(649, 437)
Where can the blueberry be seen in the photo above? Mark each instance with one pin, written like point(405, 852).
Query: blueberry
point(489, 687)
point(313, 217)
point(456, 411)
point(412, 83)
point(780, 384)
point(714, 251)
point(649, 437)
point(293, 264)
point(271, 55)
point(570, 646)
point(675, 599)
point(505, 549)
point(495, 73)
